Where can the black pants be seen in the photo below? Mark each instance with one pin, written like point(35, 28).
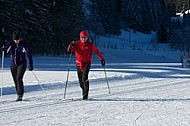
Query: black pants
point(17, 74)
point(83, 78)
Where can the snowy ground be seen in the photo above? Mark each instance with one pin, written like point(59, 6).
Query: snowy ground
point(146, 90)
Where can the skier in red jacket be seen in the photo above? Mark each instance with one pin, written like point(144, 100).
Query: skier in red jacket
point(83, 51)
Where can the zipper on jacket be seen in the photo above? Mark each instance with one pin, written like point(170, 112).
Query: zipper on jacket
point(16, 54)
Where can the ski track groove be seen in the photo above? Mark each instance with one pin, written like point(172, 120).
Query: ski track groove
point(42, 100)
point(143, 88)
point(40, 103)
point(134, 85)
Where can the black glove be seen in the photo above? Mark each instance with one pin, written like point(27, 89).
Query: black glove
point(2, 49)
point(103, 62)
point(30, 67)
point(72, 43)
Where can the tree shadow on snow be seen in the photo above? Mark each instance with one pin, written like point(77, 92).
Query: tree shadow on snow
point(32, 88)
point(141, 99)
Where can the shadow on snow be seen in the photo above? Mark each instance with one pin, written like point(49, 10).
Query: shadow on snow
point(142, 99)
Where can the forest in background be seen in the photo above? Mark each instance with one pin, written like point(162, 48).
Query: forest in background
point(50, 25)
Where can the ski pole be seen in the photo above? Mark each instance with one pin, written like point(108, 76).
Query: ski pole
point(38, 80)
point(2, 72)
point(107, 80)
point(68, 74)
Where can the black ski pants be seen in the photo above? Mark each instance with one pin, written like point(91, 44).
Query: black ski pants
point(17, 74)
point(83, 78)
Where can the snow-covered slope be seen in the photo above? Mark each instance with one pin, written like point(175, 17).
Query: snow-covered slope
point(148, 88)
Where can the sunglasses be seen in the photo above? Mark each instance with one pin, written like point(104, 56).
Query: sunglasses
point(83, 37)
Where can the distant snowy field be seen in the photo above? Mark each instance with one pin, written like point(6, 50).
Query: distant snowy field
point(148, 88)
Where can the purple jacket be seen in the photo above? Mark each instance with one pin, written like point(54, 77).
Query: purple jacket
point(18, 53)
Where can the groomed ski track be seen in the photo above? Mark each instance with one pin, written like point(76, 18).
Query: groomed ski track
point(124, 90)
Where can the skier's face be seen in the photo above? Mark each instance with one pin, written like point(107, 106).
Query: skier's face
point(83, 38)
point(17, 41)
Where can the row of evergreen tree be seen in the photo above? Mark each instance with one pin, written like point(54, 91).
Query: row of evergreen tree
point(50, 25)
point(178, 5)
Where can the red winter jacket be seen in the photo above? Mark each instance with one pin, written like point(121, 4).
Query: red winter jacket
point(83, 52)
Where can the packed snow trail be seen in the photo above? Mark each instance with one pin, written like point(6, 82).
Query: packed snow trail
point(141, 94)
point(131, 102)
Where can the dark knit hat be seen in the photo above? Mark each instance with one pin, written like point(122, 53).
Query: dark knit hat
point(16, 35)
